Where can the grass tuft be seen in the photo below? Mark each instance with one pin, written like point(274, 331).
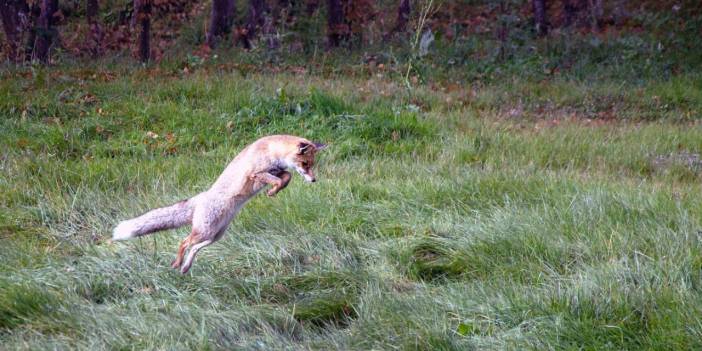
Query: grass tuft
point(317, 297)
point(433, 259)
point(25, 304)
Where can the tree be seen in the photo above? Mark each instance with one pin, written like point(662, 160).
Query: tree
point(285, 7)
point(335, 22)
point(596, 13)
point(570, 11)
point(142, 10)
point(584, 13)
point(30, 26)
point(403, 13)
point(11, 13)
point(220, 20)
point(311, 7)
point(255, 20)
point(92, 9)
point(540, 20)
point(45, 30)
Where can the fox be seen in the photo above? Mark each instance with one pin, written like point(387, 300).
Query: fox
point(261, 163)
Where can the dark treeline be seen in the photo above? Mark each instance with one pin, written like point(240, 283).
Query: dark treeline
point(30, 26)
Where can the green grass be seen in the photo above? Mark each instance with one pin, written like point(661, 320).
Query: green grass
point(525, 214)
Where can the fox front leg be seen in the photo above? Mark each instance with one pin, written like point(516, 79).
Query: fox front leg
point(284, 177)
point(277, 183)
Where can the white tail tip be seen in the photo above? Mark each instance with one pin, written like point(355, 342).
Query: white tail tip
point(123, 231)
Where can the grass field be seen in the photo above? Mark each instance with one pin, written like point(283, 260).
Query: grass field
point(520, 214)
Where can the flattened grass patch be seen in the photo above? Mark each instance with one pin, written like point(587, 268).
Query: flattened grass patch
point(432, 259)
point(101, 290)
point(521, 258)
point(317, 297)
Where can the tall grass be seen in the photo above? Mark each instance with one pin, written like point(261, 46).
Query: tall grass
point(529, 214)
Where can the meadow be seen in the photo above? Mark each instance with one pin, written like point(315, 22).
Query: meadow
point(533, 212)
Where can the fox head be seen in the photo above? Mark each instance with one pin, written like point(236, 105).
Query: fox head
point(303, 159)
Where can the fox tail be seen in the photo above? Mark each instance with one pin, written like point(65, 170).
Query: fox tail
point(163, 218)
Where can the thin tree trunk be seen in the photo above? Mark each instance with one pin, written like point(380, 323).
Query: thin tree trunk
point(503, 33)
point(335, 22)
point(540, 20)
point(92, 10)
point(141, 19)
point(32, 17)
point(254, 21)
point(220, 20)
point(46, 32)
point(145, 35)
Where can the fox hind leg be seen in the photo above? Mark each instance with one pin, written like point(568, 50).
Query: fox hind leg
point(184, 245)
point(191, 255)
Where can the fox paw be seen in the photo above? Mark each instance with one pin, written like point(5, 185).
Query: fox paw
point(272, 192)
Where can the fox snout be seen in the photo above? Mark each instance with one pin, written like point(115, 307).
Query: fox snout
point(309, 177)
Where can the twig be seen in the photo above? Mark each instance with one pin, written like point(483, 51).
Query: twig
point(420, 25)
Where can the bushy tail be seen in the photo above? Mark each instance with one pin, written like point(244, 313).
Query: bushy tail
point(169, 217)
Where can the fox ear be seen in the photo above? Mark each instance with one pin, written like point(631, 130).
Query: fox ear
point(302, 148)
point(320, 146)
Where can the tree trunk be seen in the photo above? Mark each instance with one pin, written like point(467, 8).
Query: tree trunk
point(403, 13)
point(570, 11)
point(596, 12)
point(312, 6)
point(254, 21)
point(30, 26)
point(145, 34)
point(503, 32)
point(220, 20)
point(283, 5)
point(620, 13)
point(10, 13)
point(92, 10)
point(335, 22)
point(540, 20)
point(45, 30)
point(142, 17)
point(583, 13)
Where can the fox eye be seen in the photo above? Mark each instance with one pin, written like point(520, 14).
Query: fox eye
point(305, 164)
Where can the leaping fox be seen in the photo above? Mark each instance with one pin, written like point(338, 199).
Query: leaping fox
point(264, 162)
